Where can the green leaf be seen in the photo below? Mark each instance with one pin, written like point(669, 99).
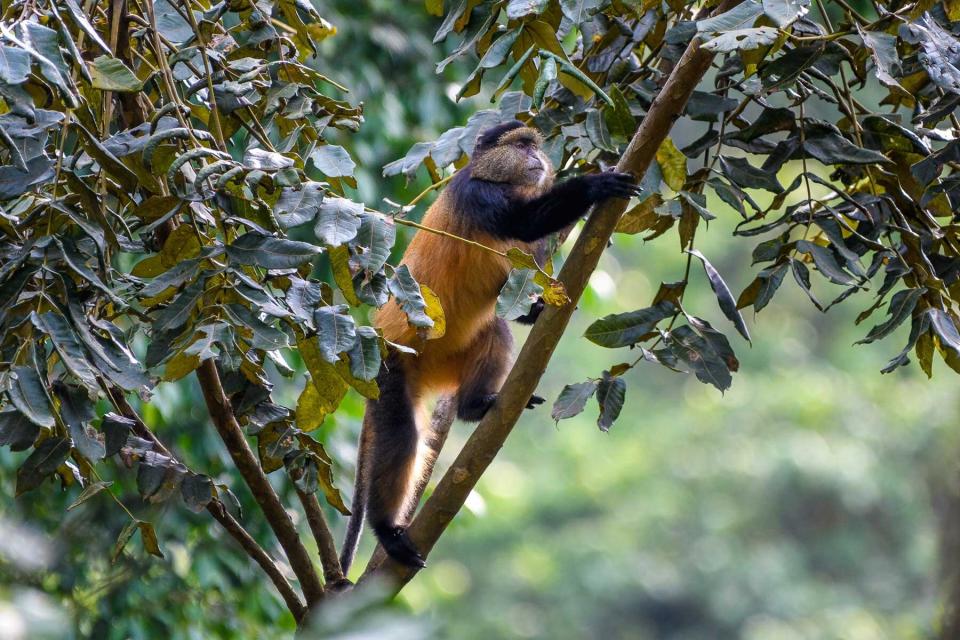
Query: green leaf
point(338, 222)
point(299, 206)
point(42, 463)
point(946, 330)
point(376, 235)
point(900, 308)
point(724, 297)
point(336, 331)
point(742, 40)
point(17, 431)
point(110, 74)
point(518, 294)
point(830, 147)
point(333, 161)
point(176, 314)
point(826, 263)
point(365, 354)
point(197, 491)
point(611, 392)
point(624, 329)
point(77, 411)
point(572, 399)
point(785, 12)
point(67, 344)
point(408, 295)
point(703, 357)
point(521, 8)
point(117, 429)
point(125, 534)
point(270, 253)
point(745, 175)
point(88, 492)
point(29, 395)
point(741, 16)
point(14, 65)
point(761, 290)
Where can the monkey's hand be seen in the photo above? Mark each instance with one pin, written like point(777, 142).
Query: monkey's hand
point(601, 186)
point(534, 402)
point(533, 314)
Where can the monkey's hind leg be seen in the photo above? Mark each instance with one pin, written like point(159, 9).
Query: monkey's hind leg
point(393, 463)
point(487, 361)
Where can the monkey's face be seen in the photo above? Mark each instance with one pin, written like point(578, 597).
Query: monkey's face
point(511, 153)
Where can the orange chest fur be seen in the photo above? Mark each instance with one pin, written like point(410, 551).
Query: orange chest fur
point(466, 279)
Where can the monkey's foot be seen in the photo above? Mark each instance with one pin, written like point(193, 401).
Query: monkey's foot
point(473, 409)
point(398, 546)
point(534, 402)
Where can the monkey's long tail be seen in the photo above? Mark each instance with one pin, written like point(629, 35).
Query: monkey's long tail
point(359, 508)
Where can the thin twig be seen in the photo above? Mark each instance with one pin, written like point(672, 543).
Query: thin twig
point(327, 548)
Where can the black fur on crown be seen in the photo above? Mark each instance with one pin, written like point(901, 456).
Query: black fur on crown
point(488, 139)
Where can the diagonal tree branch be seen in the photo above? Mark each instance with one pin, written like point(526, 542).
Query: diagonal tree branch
point(218, 406)
point(490, 435)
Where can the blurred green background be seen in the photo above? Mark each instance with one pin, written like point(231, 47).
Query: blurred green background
point(810, 501)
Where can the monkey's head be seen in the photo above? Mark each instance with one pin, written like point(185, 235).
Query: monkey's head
point(510, 153)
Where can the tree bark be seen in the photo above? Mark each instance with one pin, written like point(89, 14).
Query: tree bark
point(490, 435)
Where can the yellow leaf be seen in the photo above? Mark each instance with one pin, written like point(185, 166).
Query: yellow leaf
point(673, 165)
point(320, 398)
point(434, 311)
point(181, 245)
point(149, 267)
point(554, 293)
point(368, 389)
point(434, 7)
point(179, 366)
point(340, 265)
point(641, 217)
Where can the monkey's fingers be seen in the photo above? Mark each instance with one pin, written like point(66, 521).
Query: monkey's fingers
point(534, 402)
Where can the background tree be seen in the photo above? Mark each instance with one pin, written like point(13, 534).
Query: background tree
point(161, 159)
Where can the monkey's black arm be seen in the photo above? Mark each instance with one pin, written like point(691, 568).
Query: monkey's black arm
point(563, 204)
